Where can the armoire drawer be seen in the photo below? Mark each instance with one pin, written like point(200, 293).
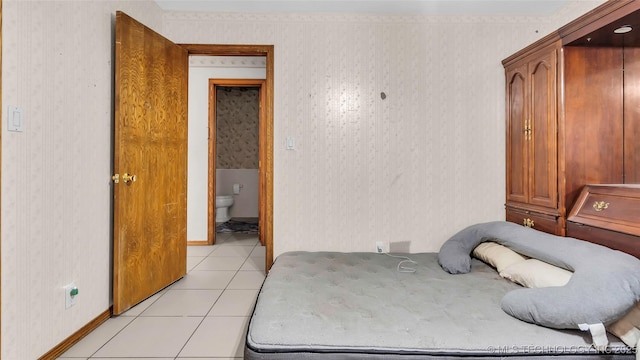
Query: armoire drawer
point(543, 222)
point(613, 239)
point(611, 207)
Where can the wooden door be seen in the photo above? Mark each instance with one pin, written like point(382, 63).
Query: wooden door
point(517, 152)
point(151, 143)
point(542, 139)
point(532, 165)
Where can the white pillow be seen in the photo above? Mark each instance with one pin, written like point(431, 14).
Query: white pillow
point(627, 328)
point(534, 273)
point(496, 255)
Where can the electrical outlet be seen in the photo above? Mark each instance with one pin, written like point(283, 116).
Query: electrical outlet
point(379, 247)
point(70, 295)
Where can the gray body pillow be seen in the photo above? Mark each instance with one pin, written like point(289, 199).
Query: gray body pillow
point(604, 286)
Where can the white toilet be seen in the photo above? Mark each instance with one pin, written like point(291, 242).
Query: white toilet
point(223, 203)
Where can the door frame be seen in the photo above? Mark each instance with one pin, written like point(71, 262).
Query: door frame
point(211, 213)
point(266, 138)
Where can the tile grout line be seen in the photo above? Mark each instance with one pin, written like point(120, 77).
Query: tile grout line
point(166, 290)
point(213, 305)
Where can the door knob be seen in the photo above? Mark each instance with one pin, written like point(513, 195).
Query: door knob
point(128, 178)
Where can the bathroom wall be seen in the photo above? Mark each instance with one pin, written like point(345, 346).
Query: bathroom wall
point(413, 168)
point(201, 69)
point(237, 113)
point(245, 204)
point(237, 139)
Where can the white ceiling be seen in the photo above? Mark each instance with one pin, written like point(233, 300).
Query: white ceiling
point(476, 7)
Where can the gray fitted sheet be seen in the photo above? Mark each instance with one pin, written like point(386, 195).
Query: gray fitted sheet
point(329, 305)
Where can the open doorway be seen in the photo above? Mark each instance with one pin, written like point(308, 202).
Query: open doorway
point(266, 132)
point(236, 142)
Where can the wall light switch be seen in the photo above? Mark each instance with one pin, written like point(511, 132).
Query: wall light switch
point(291, 143)
point(15, 119)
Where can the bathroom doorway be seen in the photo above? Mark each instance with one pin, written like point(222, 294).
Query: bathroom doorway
point(236, 143)
point(266, 141)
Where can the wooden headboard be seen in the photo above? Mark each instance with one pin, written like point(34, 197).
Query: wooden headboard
point(609, 215)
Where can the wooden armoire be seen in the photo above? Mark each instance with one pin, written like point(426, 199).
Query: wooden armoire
point(573, 114)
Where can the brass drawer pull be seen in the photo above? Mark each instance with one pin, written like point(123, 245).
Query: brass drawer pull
point(527, 129)
point(600, 205)
point(528, 223)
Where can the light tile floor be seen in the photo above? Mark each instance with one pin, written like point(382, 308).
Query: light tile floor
point(203, 315)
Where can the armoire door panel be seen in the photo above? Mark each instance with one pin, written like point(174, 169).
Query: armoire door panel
point(517, 165)
point(543, 158)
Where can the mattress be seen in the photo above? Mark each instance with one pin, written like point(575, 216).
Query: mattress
point(329, 305)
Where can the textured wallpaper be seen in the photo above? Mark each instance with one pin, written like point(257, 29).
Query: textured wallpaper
point(410, 169)
point(56, 175)
point(237, 115)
